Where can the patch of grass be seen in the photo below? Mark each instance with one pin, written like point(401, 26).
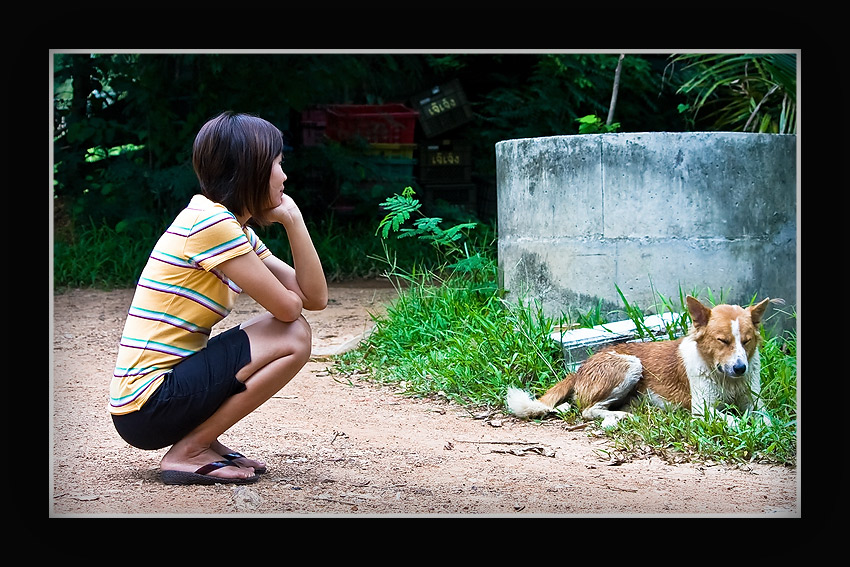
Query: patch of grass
point(100, 256)
point(457, 337)
point(451, 333)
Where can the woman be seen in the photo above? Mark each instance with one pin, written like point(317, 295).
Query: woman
point(173, 384)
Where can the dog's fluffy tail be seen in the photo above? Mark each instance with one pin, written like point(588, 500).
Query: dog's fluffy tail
point(523, 405)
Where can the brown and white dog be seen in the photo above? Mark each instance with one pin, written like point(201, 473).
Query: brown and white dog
point(716, 363)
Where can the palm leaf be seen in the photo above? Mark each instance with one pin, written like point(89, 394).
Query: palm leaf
point(742, 91)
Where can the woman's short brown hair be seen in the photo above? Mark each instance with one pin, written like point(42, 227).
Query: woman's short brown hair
point(233, 155)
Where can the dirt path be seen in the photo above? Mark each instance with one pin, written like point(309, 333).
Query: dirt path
point(349, 447)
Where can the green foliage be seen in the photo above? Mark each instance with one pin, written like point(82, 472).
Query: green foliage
point(741, 92)
point(561, 90)
point(592, 124)
point(400, 208)
point(450, 332)
point(102, 257)
point(428, 229)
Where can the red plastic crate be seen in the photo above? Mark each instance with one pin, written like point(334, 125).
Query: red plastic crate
point(376, 124)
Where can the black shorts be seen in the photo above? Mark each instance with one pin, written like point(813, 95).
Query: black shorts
point(190, 393)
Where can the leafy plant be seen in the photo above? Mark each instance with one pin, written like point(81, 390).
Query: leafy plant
point(592, 124)
point(450, 333)
point(399, 210)
point(741, 92)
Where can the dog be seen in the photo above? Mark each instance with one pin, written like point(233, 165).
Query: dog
point(716, 363)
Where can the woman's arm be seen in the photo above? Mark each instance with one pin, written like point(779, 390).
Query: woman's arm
point(254, 278)
point(314, 295)
point(306, 277)
point(280, 288)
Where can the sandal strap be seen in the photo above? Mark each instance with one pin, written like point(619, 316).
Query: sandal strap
point(234, 455)
point(208, 468)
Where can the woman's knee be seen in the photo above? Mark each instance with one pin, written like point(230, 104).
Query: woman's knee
point(300, 335)
point(272, 339)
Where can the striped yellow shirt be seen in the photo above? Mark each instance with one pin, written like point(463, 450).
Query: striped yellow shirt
point(179, 297)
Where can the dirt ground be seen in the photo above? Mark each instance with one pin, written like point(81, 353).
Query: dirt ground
point(342, 446)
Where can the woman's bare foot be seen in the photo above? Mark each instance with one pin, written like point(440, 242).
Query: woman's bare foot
point(186, 459)
point(241, 460)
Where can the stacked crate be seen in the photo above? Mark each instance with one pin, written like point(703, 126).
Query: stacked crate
point(445, 163)
point(373, 123)
point(387, 129)
point(442, 108)
point(392, 162)
point(313, 124)
point(381, 140)
point(445, 172)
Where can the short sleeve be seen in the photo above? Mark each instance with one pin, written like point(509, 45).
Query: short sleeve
point(215, 237)
point(257, 244)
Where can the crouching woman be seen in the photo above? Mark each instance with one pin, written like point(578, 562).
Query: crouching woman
point(174, 383)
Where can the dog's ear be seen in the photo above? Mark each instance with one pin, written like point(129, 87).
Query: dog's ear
point(699, 312)
point(757, 311)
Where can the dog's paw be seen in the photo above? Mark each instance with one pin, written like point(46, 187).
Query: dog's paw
point(613, 418)
point(563, 408)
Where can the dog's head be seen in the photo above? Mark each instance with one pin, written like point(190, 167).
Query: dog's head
point(727, 335)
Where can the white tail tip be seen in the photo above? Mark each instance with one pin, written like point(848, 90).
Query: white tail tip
point(521, 404)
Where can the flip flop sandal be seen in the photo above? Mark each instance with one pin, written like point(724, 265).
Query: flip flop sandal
point(200, 476)
point(234, 455)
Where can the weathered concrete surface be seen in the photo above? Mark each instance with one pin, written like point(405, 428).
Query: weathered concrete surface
point(650, 213)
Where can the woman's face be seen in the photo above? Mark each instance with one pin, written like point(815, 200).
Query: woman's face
point(276, 182)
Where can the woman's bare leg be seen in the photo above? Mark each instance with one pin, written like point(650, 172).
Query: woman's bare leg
point(278, 351)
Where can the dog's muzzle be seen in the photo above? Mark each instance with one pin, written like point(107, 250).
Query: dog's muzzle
point(735, 370)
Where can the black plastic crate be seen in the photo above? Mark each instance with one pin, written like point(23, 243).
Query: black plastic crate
point(442, 108)
point(445, 161)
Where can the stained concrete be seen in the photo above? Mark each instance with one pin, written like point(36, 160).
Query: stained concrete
point(654, 214)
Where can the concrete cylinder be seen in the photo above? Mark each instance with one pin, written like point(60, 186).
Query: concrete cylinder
point(650, 213)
